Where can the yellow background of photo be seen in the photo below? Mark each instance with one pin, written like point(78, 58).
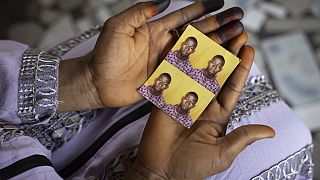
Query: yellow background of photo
point(205, 50)
point(180, 85)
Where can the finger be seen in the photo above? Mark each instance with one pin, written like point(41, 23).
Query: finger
point(234, 45)
point(137, 15)
point(187, 14)
point(214, 22)
point(227, 32)
point(237, 140)
point(231, 90)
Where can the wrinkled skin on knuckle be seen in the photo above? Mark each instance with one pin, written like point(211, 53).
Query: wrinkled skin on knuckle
point(108, 23)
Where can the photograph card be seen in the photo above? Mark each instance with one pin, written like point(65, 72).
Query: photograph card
point(192, 73)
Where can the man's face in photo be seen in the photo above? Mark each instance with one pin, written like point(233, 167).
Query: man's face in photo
point(188, 102)
point(188, 47)
point(215, 65)
point(161, 83)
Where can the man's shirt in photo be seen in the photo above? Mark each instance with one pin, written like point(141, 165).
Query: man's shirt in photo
point(211, 84)
point(183, 65)
point(184, 119)
point(156, 100)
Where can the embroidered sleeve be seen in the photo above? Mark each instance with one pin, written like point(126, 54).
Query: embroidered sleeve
point(38, 86)
point(33, 112)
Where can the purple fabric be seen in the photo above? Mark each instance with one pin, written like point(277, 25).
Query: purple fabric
point(184, 119)
point(41, 173)
point(125, 139)
point(156, 100)
point(211, 84)
point(22, 147)
point(183, 65)
point(19, 148)
point(78, 144)
point(10, 59)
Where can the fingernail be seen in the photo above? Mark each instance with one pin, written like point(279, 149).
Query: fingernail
point(232, 14)
point(212, 5)
point(230, 31)
point(161, 5)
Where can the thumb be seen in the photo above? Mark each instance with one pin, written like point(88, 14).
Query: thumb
point(138, 14)
point(237, 140)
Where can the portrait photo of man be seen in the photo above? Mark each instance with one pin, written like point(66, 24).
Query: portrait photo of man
point(207, 77)
point(181, 111)
point(198, 68)
point(180, 58)
point(154, 93)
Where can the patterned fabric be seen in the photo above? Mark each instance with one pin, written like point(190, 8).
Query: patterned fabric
point(183, 65)
point(184, 119)
point(257, 94)
point(299, 163)
point(156, 100)
point(38, 84)
point(211, 84)
point(59, 130)
point(117, 168)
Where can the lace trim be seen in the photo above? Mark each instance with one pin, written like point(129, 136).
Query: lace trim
point(299, 163)
point(257, 94)
point(38, 84)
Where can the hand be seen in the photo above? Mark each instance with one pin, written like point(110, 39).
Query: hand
point(129, 49)
point(170, 151)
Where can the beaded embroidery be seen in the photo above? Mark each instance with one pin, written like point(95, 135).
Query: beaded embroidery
point(299, 163)
point(59, 130)
point(257, 93)
point(38, 84)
